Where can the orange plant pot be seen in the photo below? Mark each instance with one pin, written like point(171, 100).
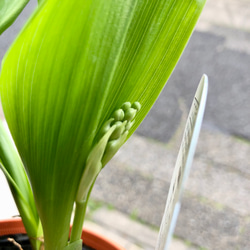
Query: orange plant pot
point(91, 239)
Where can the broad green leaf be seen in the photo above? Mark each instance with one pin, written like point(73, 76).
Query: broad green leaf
point(74, 64)
point(9, 11)
point(12, 167)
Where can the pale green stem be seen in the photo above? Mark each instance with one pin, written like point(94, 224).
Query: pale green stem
point(80, 211)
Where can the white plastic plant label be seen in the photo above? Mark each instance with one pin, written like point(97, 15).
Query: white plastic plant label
point(183, 165)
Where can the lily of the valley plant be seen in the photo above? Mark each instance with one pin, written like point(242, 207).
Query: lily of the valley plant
point(75, 84)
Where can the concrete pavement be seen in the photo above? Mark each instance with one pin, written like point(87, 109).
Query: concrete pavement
point(215, 211)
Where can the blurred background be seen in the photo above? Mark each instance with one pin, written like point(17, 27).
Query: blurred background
point(130, 194)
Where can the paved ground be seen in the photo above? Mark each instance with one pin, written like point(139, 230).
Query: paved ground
point(129, 197)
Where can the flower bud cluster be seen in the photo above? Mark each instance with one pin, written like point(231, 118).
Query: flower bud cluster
point(122, 119)
point(111, 137)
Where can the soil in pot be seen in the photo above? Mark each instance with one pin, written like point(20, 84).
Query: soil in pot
point(23, 240)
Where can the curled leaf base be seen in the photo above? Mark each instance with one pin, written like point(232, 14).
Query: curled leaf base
point(76, 245)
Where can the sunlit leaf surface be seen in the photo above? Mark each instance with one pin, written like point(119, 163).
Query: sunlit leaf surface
point(73, 65)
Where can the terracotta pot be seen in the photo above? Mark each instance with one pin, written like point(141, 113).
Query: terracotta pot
point(91, 239)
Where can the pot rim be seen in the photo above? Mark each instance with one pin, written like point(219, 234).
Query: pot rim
point(90, 238)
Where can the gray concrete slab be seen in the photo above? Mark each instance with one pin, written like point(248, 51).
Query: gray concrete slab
point(229, 89)
point(215, 207)
point(207, 227)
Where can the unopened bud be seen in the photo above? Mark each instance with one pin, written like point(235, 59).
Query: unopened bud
point(105, 127)
point(136, 105)
point(120, 128)
point(130, 114)
point(126, 106)
point(118, 115)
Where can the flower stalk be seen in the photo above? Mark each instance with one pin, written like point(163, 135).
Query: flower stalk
point(64, 85)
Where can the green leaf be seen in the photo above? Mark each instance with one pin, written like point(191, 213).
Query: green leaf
point(9, 11)
point(73, 65)
point(76, 245)
point(12, 167)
